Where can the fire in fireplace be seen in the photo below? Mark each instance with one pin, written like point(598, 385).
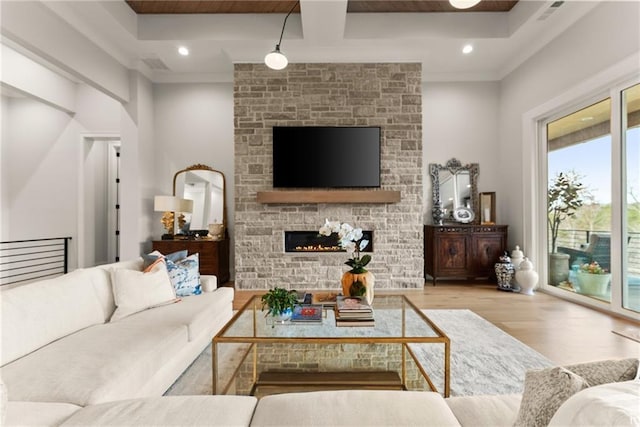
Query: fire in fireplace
point(312, 241)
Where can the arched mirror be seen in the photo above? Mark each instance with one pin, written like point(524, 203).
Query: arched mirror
point(455, 191)
point(206, 187)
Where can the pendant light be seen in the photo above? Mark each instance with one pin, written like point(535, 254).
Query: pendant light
point(463, 4)
point(276, 59)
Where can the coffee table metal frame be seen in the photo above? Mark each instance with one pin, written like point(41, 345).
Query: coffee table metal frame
point(254, 304)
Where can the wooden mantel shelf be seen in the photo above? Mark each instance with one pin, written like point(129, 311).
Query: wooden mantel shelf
point(328, 196)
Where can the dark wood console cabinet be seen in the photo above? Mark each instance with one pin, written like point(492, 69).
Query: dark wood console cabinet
point(213, 254)
point(463, 250)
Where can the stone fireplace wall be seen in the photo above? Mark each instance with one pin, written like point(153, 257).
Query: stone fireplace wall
point(385, 95)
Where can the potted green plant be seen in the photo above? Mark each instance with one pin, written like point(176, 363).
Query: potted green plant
point(564, 197)
point(593, 279)
point(279, 303)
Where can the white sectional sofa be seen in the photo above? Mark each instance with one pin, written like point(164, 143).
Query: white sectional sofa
point(65, 363)
point(60, 351)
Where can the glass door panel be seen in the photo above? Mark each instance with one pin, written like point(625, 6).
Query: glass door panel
point(579, 201)
point(631, 226)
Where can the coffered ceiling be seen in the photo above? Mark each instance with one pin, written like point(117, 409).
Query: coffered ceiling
point(269, 6)
point(146, 35)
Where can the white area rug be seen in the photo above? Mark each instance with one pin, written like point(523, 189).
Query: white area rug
point(484, 359)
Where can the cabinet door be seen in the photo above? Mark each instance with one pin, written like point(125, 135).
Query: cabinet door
point(486, 249)
point(451, 253)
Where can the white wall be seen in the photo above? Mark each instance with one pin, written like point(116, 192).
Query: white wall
point(42, 162)
point(138, 152)
point(38, 173)
point(460, 120)
point(608, 34)
point(194, 124)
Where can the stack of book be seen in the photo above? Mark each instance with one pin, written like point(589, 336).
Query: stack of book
point(353, 311)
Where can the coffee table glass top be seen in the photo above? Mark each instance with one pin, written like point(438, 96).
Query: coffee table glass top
point(396, 319)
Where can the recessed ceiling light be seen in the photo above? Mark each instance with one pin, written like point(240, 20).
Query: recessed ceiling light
point(183, 51)
point(467, 49)
point(586, 119)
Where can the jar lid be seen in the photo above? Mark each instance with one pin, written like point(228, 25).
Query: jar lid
point(525, 264)
point(505, 258)
point(517, 253)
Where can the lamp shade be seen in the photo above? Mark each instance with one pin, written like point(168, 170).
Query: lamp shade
point(463, 4)
point(186, 205)
point(172, 204)
point(276, 60)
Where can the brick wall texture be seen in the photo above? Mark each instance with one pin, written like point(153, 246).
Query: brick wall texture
point(385, 95)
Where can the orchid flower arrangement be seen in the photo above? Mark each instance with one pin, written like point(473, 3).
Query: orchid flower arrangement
point(351, 240)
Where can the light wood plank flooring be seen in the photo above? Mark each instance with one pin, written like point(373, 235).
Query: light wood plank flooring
point(562, 331)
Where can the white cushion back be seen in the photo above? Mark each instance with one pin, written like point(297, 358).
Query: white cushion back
point(104, 286)
point(35, 314)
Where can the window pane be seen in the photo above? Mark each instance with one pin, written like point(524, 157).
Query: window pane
point(631, 132)
point(579, 197)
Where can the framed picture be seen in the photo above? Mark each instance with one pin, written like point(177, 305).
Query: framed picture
point(488, 208)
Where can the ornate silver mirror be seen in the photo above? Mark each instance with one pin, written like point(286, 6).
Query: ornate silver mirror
point(455, 191)
point(206, 187)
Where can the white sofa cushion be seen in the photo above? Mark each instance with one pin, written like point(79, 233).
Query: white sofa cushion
point(485, 411)
point(103, 363)
point(354, 408)
point(135, 291)
point(169, 411)
point(613, 404)
point(38, 413)
point(38, 313)
point(199, 313)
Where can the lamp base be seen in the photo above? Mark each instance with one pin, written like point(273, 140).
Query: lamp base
point(167, 237)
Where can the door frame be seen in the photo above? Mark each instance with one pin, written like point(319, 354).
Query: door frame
point(85, 139)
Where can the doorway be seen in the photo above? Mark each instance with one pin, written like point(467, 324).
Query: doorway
point(99, 201)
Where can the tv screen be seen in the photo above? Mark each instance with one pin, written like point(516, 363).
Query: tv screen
point(326, 157)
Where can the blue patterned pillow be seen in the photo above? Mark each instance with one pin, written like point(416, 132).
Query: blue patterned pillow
point(185, 275)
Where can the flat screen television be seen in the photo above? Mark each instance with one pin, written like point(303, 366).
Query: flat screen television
point(326, 157)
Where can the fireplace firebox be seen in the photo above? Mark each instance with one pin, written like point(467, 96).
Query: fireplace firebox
point(312, 241)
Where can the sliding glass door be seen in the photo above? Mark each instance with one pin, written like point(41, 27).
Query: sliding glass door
point(593, 199)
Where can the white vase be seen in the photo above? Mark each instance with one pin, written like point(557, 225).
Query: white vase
point(526, 277)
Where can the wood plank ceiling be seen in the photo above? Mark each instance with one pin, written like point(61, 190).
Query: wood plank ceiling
point(273, 6)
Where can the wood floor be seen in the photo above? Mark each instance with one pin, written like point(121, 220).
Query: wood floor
point(562, 331)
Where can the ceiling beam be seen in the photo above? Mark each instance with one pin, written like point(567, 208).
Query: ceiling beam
point(323, 20)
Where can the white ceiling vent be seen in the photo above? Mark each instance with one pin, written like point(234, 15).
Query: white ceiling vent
point(155, 64)
point(552, 8)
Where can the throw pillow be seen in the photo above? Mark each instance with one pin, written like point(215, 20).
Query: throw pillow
point(613, 404)
point(185, 275)
point(148, 259)
point(544, 391)
point(606, 371)
point(135, 291)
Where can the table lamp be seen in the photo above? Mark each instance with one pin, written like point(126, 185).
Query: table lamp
point(169, 205)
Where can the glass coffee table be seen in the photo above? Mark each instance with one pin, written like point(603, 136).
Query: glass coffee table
point(252, 355)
